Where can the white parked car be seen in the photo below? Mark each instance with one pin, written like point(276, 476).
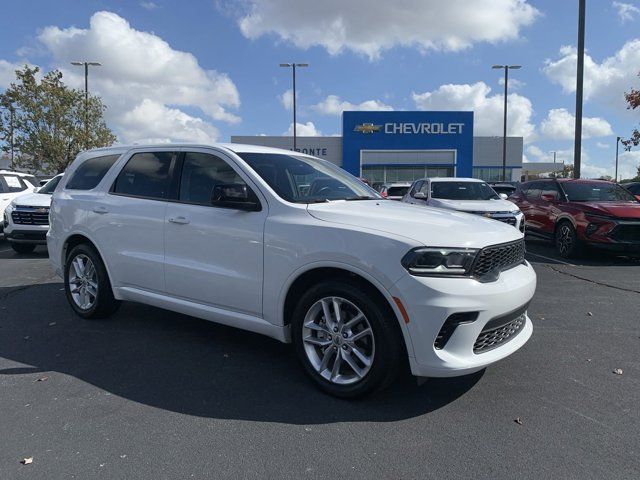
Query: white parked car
point(12, 185)
point(357, 283)
point(468, 195)
point(26, 219)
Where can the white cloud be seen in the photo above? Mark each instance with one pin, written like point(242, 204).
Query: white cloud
point(536, 154)
point(333, 105)
point(142, 73)
point(488, 109)
point(602, 145)
point(371, 27)
point(605, 82)
point(514, 83)
point(153, 122)
point(149, 5)
point(287, 99)
point(560, 125)
point(626, 11)
point(304, 130)
point(628, 163)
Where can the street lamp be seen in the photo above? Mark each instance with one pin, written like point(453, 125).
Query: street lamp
point(293, 69)
point(554, 155)
point(504, 131)
point(86, 95)
point(615, 179)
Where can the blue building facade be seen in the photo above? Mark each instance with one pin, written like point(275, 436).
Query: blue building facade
point(403, 146)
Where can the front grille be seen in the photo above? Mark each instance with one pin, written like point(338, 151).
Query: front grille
point(626, 233)
point(491, 338)
point(30, 215)
point(510, 220)
point(498, 258)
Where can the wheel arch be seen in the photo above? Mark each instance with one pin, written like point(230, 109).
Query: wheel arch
point(79, 238)
point(315, 273)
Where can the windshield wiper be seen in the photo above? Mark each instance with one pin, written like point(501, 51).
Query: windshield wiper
point(360, 197)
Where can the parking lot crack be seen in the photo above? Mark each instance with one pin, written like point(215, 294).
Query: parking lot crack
point(594, 282)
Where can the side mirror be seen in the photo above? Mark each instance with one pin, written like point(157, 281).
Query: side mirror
point(503, 196)
point(235, 195)
point(547, 197)
point(420, 195)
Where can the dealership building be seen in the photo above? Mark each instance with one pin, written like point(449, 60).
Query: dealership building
point(404, 146)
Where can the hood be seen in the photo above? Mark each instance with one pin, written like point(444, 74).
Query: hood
point(616, 209)
point(475, 205)
point(425, 225)
point(33, 200)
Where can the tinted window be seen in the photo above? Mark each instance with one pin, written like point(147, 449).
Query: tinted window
point(50, 186)
point(596, 192)
point(13, 184)
point(462, 191)
point(146, 175)
point(551, 188)
point(201, 172)
point(532, 190)
point(634, 188)
point(90, 172)
point(397, 191)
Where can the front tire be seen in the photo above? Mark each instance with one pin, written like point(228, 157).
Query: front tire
point(87, 284)
point(566, 240)
point(346, 339)
point(23, 248)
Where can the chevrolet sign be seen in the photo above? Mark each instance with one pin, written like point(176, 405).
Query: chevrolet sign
point(367, 128)
point(424, 128)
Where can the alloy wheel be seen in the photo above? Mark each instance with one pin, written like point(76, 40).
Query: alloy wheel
point(338, 340)
point(83, 281)
point(565, 239)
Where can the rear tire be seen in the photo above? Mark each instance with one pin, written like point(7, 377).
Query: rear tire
point(362, 339)
point(566, 240)
point(23, 248)
point(87, 284)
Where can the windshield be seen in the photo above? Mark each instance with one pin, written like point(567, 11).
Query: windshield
point(463, 191)
point(596, 192)
point(50, 186)
point(13, 184)
point(307, 180)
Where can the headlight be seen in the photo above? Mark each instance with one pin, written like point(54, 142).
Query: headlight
point(439, 261)
point(599, 217)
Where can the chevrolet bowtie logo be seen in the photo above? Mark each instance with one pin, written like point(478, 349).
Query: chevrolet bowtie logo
point(367, 128)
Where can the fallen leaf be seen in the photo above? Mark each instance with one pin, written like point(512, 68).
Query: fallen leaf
point(590, 314)
point(26, 461)
point(518, 420)
point(26, 337)
point(226, 355)
point(618, 371)
point(51, 324)
point(42, 379)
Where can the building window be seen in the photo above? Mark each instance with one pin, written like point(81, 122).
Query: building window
point(390, 174)
point(489, 174)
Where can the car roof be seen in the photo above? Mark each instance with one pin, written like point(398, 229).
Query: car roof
point(397, 184)
point(19, 174)
point(233, 147)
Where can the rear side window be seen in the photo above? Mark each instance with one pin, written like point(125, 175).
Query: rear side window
point(533, 190)
point(89, 174)
point(146, 175)
point(12, 184)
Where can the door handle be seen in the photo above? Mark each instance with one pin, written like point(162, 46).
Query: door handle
point(179, 220)
point(100, 210)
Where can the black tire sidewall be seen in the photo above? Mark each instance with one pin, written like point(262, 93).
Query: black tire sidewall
point(386, 359)
point(105, 303)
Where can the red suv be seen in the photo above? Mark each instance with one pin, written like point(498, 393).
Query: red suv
point(574, 213)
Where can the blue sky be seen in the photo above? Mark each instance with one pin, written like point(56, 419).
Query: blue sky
point(203, 70)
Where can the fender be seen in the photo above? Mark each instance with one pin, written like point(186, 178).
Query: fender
point(353, 269)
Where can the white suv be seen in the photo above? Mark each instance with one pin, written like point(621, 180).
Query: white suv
point(26, 219)
point(12, 185)
point(295, 248)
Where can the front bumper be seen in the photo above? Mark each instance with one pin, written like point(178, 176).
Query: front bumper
point(431, 301)
point(33, 237)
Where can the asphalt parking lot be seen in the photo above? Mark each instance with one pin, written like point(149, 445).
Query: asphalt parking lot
point(152, 394)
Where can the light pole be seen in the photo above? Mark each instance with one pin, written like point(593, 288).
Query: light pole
point(615, 179)
point(504, 130)
point(554, 155)
point(293, 69)
point(577, 141)
point(86, 95)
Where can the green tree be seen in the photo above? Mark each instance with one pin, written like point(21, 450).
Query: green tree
point(567, 172)
point(42, 121)
point(633, 101)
